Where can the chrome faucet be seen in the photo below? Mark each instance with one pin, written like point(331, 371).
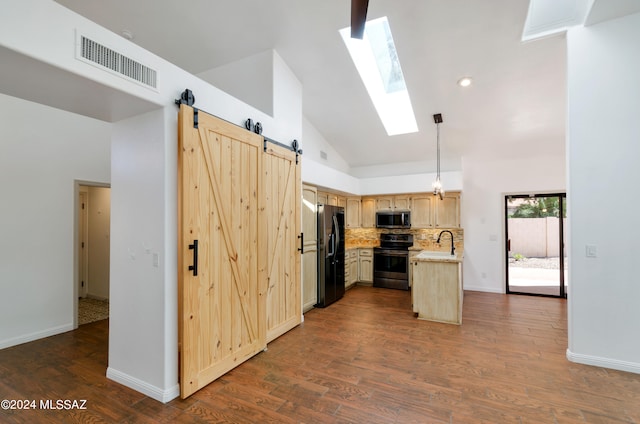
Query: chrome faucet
point(453, 249)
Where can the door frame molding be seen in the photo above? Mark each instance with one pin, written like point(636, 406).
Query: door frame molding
point(562, 195)
point(77, 188)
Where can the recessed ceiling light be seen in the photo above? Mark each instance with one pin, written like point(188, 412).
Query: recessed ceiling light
point(464, 81)
point(127, 34)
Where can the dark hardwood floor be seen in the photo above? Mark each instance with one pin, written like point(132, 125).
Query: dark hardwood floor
point(365, 359)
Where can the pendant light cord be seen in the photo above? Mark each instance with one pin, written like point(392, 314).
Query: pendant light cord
point(438, 153)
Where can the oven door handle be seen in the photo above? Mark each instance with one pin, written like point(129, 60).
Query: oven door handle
point(392, 253)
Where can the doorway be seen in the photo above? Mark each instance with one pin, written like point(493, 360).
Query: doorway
point(93, 226)
point(536, 261)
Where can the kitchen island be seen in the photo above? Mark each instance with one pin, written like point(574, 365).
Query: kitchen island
point(436, 293)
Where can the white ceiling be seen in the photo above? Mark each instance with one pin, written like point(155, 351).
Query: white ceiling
point(517, 100)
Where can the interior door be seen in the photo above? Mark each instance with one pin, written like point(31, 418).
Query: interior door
point(222, 256)
point(310, 253)
point(283, 222)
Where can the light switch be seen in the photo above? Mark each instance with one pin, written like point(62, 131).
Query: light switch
point(591, 251)
point(156, 260)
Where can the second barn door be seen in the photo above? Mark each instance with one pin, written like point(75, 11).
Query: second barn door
point(283, 187)
point(222, 248)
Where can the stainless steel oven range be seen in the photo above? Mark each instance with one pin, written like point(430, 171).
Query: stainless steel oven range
point(391, 261)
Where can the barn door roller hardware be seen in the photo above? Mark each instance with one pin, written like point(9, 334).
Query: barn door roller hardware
point(251, 126)
point(187, 98)
point(295, 146)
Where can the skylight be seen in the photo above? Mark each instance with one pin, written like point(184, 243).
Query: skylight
point(377, 62)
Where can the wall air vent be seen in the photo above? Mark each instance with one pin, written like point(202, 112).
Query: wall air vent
point(97, 54)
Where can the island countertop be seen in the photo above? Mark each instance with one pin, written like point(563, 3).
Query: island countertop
point(437, 256)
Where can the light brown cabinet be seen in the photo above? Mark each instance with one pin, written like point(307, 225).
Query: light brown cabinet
point(412, 255)
point(447, 211)
point(350, 267)
point(368, 212)
point(429, 211)
point(352, 212)
point(326, 198)
point(422, 210)
point(399, 202)
point(323, 198)
point(365, 265)
point(437, 291)
point(310, 255)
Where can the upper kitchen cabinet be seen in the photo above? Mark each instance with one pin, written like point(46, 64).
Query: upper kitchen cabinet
point(387, 203)
point(447, 211)
point(342, 202)
point(428, 211)
point(368, 212)
point(352, 212)
point(422, 210)
point(325, 198)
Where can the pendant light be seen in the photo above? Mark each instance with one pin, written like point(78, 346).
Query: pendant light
point(437, 184)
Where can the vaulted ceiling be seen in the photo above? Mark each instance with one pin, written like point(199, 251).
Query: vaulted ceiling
point(516, 104)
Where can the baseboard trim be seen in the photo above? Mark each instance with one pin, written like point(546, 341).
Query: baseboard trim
point(143, 387)
point(598, 361)
point(483, 289)
point(95, 297)
point(26, 338)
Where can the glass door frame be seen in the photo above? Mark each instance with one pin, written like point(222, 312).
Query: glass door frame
point(562, 199)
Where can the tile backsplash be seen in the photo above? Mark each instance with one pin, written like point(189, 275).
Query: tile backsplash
point(424, 239)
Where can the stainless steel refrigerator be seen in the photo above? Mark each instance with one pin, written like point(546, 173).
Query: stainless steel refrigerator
point(330, 254)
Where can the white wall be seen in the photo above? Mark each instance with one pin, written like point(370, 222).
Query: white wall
point(249, 79)
point(413, 183)
point(603, 153)
point(486, 181)
point(139, 341)
point(313, 143)
point(334, 172)
point(42, 152)
point(99, 241)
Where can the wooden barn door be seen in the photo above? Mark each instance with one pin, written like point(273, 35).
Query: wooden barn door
point(221, 258)
point(283, 199)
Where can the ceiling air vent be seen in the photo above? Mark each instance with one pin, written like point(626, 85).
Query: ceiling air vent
point(97, 54)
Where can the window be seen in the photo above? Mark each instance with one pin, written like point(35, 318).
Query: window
point(377, 62)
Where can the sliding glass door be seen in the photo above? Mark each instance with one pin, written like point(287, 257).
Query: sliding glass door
point(535, 233)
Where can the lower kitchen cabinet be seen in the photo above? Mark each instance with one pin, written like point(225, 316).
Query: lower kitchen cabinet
point(350, 267)
point(365, 265)
point(437, 291)
point(412, 255)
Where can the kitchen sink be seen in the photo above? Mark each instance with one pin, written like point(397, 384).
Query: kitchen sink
point(434, 254)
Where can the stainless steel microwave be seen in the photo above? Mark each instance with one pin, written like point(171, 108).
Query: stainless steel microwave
point(393, 219)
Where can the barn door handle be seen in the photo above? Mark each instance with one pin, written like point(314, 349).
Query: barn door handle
point(301, 248)
point(194, 267)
